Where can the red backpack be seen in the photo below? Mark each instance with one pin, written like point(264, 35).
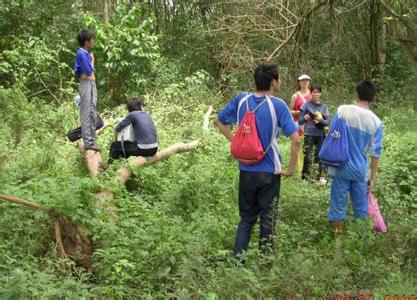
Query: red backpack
point(246, 144)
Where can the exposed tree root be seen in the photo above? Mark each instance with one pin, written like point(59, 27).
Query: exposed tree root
point(71, 242)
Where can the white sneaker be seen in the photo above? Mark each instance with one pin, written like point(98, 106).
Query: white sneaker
point(322, 181)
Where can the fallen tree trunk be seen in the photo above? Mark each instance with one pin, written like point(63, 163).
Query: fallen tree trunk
point(92, 159)
point(124, 173)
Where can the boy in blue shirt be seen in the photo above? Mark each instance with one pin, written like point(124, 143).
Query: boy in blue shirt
point(84, 72)
point(259, 185)
point(365, 134)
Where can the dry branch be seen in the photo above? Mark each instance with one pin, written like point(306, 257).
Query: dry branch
point(206, 121)
point(16, 200)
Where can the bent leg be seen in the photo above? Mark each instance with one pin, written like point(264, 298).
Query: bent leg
point(115, 151)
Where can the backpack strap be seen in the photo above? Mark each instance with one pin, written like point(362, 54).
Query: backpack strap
point(274, 123)
point(240, 104)
point(257, 107)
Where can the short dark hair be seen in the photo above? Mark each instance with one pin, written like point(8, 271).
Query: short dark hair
point(264, 74)
point(316, 87)
point(366, 90)
point(84, 36)
point(135, 104)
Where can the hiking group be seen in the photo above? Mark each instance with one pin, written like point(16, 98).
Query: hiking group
point(340, 147)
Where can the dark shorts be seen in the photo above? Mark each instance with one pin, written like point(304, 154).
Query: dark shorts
point(129, 149)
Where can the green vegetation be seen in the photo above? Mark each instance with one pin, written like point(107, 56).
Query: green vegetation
point(176, 219)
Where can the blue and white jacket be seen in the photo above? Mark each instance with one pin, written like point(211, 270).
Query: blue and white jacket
point(365, 134)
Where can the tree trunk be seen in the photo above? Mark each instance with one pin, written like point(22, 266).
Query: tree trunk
point(377, 30)
point(407, 41)
point(106, 12)
point(406, 44)
point(382, 44)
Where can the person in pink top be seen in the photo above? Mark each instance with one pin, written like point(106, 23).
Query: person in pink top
point(302, 96)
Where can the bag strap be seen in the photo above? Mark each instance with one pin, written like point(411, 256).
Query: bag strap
point(257, 107)
point(274, 130)
point(240, 104)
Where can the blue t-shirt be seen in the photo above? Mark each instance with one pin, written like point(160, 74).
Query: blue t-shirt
point(83, 64)
point(365, 133)
point(270, 116)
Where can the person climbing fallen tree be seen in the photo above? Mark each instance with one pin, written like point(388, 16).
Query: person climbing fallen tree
point(364, 136)
point(260, 176)
point(84, 72)
point(143, 142)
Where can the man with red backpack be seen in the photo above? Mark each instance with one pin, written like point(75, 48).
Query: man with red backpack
point(259, 116)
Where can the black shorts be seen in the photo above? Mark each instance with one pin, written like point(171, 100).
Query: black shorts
point(129, 149)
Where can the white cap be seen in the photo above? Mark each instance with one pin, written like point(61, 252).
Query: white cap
point(304, 77)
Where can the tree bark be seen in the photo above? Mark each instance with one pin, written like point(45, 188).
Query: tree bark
point(377, 37)
point(92, 159)
point(106, 12)
point(124, 173)
point(406, 44)
point(206, 121)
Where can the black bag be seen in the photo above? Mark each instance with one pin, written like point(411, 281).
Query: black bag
point(75, 134)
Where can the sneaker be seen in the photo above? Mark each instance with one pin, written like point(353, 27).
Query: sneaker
point(322, 181)
point(94, 148)
point(102, 167)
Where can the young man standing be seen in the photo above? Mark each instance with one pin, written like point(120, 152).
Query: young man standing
point(259, 184)
point(365, 133)
point(84, 72)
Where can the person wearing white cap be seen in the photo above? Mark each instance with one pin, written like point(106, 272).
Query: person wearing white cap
point(302, 96)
